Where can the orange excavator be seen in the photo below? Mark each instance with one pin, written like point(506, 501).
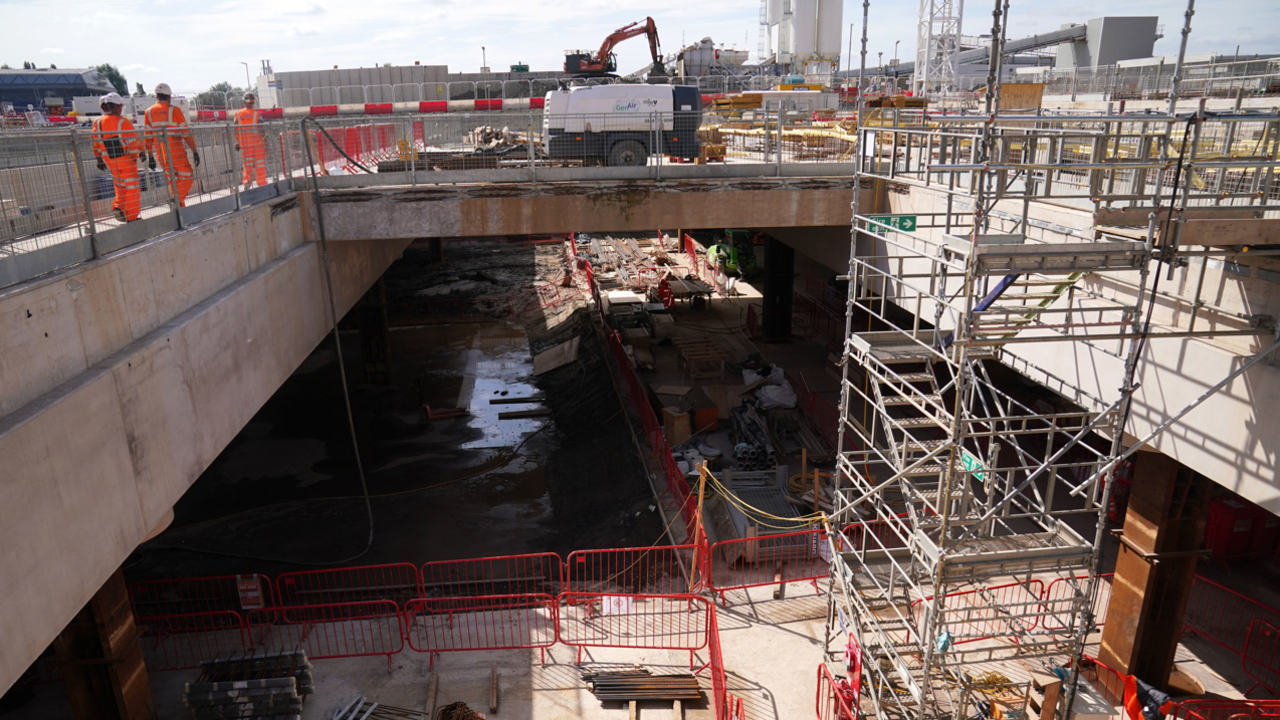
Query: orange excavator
point(603, 62)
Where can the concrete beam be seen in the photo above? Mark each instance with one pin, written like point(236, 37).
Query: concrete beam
point(1228, 233)
point(1128, 217)
point(514, 209)
point(141, 382)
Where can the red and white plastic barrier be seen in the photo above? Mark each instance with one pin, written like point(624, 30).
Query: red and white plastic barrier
point(400, 108)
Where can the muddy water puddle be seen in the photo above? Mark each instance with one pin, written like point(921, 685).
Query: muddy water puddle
point(467, 366)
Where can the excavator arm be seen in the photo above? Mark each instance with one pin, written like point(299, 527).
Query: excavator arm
point(600, 61)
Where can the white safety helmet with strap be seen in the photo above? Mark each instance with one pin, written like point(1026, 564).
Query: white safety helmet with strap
point(163, 89)
point(110, 99)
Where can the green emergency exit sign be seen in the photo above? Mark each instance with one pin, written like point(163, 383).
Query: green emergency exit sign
point(906, 223)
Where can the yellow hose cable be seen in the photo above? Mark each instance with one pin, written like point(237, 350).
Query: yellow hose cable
point(801, 521)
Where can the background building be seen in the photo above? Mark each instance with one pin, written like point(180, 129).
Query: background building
point(50, 87)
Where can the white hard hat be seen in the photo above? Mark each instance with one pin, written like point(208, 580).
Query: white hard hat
point(163, 89)
point(110, 99)
point(250, 97)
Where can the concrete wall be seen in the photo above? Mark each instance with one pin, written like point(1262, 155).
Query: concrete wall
point(518, 208)
point(121, 380)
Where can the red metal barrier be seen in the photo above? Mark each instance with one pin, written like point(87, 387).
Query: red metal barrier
point(1058, 602)
point(831, 703)
point(504, 575)
point(677, 487)
point(395, 582)
point(986, 610)
point(1219, 709)
point(331, 630)
point(873, 536)
point(767, 560)
point(661, 570)
point(690, 249)
point(1108, 682)
point(1261, 657)
point(733, 708)
point(487, 622)
point(1222, 616)
point(819, 320)
point(181, 596)
point(990, 611)
point(649, 622)
point(181, 642)
point(823, 416)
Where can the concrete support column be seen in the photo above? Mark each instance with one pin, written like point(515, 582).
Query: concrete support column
point(101, 659)
point(779, 273)
point(1163, 529)
point(375, 336)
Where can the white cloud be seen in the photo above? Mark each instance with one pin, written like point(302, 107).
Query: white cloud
point(302, 30)
point(133, 66)
point(52, 51)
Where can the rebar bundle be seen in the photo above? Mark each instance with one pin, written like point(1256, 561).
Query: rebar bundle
point(252, 686)
point(641, 685)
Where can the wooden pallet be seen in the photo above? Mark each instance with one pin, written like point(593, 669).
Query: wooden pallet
point(701, 358)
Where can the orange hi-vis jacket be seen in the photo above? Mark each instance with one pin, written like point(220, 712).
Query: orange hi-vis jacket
point(252, 145)
point(246, 121)
point(173, 155)
point(117, 144)
point(115, 137)
point(164, 116)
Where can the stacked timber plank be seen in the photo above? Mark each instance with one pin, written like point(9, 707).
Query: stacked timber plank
point(740, 101)
point(252, 686)
point(628, 685)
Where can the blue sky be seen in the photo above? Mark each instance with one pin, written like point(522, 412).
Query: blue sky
point(192, 45)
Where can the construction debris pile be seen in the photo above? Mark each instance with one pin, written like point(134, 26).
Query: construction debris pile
point(640, 684)
point(494, 141)
point(253, 686)
point(634, 263)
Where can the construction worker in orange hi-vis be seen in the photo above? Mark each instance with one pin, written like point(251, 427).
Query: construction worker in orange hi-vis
point(118, 146)
point(165, 119)
point(249, 142)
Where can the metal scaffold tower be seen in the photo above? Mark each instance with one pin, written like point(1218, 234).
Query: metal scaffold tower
point(937, 45)
point(968, 521)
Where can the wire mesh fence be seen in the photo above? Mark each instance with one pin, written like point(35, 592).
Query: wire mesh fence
point(60, 206)
point(1153, 82)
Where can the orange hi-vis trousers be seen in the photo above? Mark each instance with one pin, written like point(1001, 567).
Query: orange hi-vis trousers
point(124, 175)
point(254, 152)
point(180, 173)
